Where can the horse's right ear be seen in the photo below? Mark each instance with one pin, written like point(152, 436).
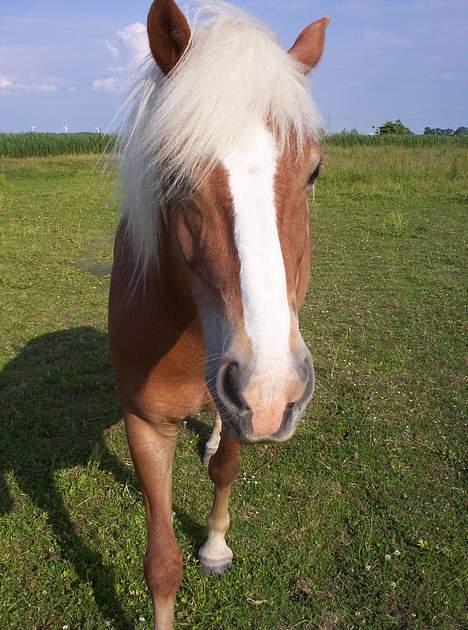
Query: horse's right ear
point(168, 32)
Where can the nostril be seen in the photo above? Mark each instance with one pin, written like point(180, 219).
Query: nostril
point(231, 387)
point(231, 384)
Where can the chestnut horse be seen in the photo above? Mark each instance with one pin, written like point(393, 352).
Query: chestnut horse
point(212, 257)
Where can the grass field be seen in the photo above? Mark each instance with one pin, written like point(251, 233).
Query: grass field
point(360, 521)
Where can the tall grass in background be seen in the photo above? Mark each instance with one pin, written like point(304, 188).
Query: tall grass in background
point(410, 141)
point(21, 145)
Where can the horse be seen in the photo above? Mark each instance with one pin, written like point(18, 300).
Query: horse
point(219, 151)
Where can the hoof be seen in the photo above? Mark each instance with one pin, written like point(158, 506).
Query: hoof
point(215, 569)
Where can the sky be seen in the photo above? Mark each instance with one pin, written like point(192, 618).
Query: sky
point(68, 63)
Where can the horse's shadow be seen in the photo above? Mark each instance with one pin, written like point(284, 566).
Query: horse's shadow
point(57, 398)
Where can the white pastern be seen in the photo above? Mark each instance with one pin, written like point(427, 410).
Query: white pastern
point(252, 172)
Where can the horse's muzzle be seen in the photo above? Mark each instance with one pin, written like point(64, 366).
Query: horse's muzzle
point(240, 417)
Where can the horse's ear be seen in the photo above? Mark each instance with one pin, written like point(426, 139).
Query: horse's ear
point(308, 47)
point(168, 32)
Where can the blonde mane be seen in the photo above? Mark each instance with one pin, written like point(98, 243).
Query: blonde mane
point(233, 74)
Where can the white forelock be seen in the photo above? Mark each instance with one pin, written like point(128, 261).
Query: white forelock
point(233, 75)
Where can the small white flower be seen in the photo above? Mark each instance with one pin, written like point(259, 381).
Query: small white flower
point(368, 567)
point(141, 619)
point(393, 584)
point(388, 556)
point(397, 553)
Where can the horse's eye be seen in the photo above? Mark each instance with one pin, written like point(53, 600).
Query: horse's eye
point(314, 175)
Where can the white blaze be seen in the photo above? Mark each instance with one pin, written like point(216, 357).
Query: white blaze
point(252, 172)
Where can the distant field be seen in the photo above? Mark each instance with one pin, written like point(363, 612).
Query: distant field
point(360, 521)
point(20, 145)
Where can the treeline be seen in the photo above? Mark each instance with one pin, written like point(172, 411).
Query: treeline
point(396, 127)
point(437, 131)
point(22, 145)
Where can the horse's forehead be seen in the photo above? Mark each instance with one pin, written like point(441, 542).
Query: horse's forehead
point(241, 183)
point(215, 187)
point(251, 159)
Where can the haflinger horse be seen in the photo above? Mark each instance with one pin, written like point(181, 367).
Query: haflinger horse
point(219, 152)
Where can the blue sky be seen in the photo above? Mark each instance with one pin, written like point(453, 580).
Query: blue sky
point(66, 62)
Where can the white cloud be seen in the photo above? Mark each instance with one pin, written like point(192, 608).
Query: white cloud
point(8, 86)
point(132, 50)
point(72, 88)
point(114, 51)
point(135, 39)
point(111, 84)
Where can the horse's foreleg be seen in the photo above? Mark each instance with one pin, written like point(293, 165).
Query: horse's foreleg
point(215, 556)
point(212, 444)
point(152, 447)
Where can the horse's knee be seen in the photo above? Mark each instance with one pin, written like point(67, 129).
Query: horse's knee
point(224, 466)
point(163, 571)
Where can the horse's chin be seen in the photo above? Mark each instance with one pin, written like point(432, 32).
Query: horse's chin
point(248, 437)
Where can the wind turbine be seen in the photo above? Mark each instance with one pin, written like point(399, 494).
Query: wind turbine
point(65, 128)
point(33, 128)
point(98, 130)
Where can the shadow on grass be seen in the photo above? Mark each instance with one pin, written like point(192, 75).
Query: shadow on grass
point(58, 397)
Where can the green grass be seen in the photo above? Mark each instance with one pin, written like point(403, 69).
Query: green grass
point(360, 521)
point(410, 141)
point(21, 145)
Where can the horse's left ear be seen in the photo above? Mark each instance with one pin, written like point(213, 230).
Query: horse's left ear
point(308, 47)
point(168, 32)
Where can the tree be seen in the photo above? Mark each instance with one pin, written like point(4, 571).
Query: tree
point(396, 128)
point(461, 131)
point(428, 131)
